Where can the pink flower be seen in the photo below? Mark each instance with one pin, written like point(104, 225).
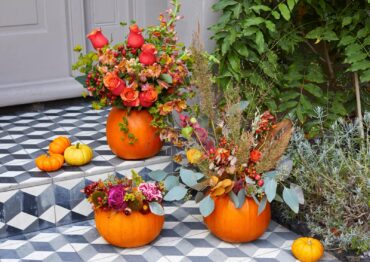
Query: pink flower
point(151, 191)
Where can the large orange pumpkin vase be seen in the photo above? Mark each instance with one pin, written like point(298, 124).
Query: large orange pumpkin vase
point(134, 230)
point(131, 136)
point(237, 225)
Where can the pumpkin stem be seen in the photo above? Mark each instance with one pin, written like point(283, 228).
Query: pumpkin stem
point(78, 145)
point(309, 242)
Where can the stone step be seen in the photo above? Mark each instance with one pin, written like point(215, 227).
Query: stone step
point(31, 200)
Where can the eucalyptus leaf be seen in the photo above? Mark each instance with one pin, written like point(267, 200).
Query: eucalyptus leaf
point(206, 206)
point(188, 177)
point(156, 208)
point(234, 198)
point(285, 166)
point(176, 193)
point(291, 199)
point(262, 205)
point(170, 182)
point(241, 197)
point(270, 189)
point(299, 192)
point(157, 175)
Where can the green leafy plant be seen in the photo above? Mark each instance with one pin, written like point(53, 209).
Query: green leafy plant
point(333, 172)
point(291, 56)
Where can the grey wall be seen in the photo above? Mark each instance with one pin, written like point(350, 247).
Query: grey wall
point(37, 38)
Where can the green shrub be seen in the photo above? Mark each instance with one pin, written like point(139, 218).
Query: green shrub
point(334, 173)
point(291, 56)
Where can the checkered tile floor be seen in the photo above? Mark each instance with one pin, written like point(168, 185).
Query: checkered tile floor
point(183, 238)
point(25, 136)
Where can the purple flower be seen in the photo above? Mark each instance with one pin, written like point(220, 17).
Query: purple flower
point(116, 196)
point(151, 191)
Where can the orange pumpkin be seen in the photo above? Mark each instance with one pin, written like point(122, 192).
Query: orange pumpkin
point(307, 249)
point(237, 225)
point(134, 230)
point(145, 141)
point(49, 163)
point(59, 145)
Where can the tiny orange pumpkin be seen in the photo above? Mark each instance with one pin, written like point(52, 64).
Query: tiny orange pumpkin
point(59, 145)
point(49, 162)
point(307, 249)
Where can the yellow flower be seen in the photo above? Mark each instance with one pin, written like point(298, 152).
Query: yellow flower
point(193, 155)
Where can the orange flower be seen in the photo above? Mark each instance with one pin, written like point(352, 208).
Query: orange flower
point(166, 108)
point(114, 83)
point(130, 97)
point(255, 155)
point(148, 96)
point(223, 187)
point(179, 105)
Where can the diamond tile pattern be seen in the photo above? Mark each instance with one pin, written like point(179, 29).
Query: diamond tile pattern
point(31, 200)
point(184, 238)
point(25, 136)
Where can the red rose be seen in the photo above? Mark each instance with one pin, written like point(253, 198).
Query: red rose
point(147, 56)
point(148, 96)
point(255, 156)
point(135, 39)
point(98, 40)
point(130, 97)
point(114, 83)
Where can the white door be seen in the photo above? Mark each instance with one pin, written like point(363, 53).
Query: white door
point(35, 55)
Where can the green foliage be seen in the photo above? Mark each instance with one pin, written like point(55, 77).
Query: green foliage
point(334, 174)
point(291, 56)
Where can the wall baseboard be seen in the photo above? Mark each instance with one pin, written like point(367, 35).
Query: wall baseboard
point(39, 91)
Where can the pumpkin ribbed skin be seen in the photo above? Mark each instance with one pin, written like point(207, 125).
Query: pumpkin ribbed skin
point(307, 249)
point(148, 143)
point(237, 225)
point(49, 163)
point(59, 145)
point(78, 155)
point(134, 230)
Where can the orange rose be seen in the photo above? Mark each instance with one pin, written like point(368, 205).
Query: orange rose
point(114, 83)
point(130, 97)
point(255, 156)
point(148, 96)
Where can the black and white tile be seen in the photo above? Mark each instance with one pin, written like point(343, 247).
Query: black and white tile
point(184, 238)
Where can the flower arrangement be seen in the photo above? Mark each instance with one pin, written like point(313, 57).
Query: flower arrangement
point(126, 195)
point(232, 156)
point(143, 72)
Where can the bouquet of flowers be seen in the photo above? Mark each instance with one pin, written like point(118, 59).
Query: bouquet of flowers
point(143, 72)
point(232, 156)
point(126, 195)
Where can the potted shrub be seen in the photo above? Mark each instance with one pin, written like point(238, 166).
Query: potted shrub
point(235, 165)
point(128, 212)
point(143, 78)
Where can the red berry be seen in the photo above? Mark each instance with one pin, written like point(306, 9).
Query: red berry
point(257, 177)
point(260, 182)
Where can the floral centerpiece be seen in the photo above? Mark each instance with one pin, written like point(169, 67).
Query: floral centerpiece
point(144, 78)
point(128, 212)
point(235, 165)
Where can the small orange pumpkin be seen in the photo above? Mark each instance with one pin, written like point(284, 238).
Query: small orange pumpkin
point(134, 230)
point(49, 163)
point(237, 225)
point(144, 141)
point(307, 249)
point(59, 145)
